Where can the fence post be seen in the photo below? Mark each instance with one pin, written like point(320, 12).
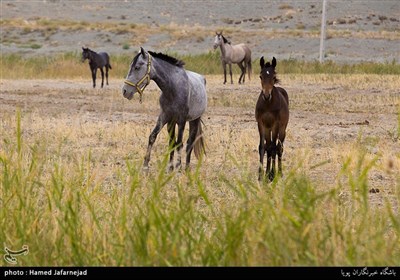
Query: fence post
point(323, 30)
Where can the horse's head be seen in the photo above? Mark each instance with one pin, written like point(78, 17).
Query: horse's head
point(268, 76)
point(138, 76)
point(219, 40)
point(85, 54)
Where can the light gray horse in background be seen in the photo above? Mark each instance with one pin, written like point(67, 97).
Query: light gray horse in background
point(239, 54)
point(183, 99)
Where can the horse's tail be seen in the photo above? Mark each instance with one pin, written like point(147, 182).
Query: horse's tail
point(199, 144)
point(249, 67)
point(248, 58)
point(109, 65)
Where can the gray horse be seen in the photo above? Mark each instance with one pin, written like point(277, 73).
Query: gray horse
point(239, 54)
point(97, 60)
point(183, 99)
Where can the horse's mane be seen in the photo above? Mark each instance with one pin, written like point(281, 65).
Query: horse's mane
point(89, 50)
point(168, 59)
point(225, 40)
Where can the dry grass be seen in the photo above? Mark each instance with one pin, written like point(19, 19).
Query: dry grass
point(90, 144)
point(327, 111)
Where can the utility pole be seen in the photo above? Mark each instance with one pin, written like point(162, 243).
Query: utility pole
point(323, 31)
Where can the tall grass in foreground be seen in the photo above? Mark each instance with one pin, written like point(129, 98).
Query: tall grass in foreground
point(69, 65)
point(53, 203)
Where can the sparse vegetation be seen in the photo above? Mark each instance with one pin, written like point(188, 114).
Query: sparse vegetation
point(68, 65)
point(178, 32)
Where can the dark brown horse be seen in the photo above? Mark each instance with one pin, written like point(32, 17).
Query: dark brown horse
point(97, 60)
point(272, 115)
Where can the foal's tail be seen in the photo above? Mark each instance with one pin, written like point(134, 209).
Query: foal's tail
point(109, 65)
point(199, 145)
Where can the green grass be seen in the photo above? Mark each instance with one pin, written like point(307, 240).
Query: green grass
point(68, 65)
point(68, 214)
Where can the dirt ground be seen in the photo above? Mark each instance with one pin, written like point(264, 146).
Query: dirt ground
point(331, 119)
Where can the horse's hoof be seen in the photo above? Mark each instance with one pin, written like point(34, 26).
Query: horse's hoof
point(271, 176)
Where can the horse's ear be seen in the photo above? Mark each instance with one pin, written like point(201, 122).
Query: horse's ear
point(262, 62)
point(143, 52)
point(274, 62)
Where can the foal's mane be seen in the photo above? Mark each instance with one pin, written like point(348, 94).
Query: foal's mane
point(168, 59)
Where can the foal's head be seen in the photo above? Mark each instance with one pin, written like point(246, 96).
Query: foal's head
point(268, 76)
point(86, 54)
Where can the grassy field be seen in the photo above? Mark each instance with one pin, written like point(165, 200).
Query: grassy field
point(72, 188)
point(69, 65)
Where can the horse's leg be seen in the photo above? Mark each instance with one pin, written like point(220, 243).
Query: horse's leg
point(181, 128)
point(172, 140)
point(230, 71)
point(193, 127)
point(243, 71)
point(261, 151)
point(270, 149)
point(94, 70)
point(107, 75)
point(102, 76)
point(279, 148)
point(273, 149)
point(152, 138)
point(224, 66)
